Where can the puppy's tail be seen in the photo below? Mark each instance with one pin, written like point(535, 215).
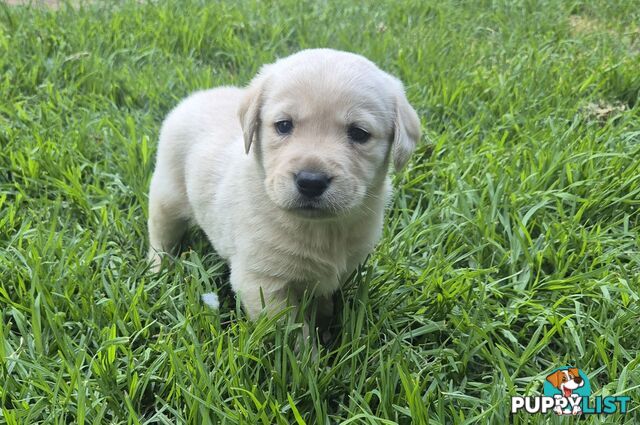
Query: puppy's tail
point(211, 299)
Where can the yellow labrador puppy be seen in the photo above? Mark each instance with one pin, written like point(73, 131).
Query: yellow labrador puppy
point(302, 203)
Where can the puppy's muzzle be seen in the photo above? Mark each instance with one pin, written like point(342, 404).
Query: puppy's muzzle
point(311, 184)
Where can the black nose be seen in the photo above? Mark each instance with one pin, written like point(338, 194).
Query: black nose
point(311, 184)
point(577, 380)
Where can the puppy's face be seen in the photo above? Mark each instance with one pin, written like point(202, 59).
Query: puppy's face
point(323, 124)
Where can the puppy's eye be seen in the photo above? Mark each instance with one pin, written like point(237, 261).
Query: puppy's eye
point(358, 135)
point(284, 127)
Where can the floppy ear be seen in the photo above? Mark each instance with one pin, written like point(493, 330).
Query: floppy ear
point(406, 131)
point(555, 378)
point(249, 109)
point(574, 372)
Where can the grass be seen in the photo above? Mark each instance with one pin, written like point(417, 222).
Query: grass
point(512, 245)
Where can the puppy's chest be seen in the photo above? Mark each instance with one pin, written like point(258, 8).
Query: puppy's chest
point(313, 256)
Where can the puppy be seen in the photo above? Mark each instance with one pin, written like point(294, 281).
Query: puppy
point(302, 204)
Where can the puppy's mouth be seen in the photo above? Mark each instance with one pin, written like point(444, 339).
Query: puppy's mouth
point(328, 205)
point(310, 209)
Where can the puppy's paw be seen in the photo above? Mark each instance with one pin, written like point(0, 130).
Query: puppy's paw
point(211, 300)
point(155, 259)
point(304, 339)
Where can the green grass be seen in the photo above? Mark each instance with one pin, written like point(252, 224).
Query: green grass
point(512, 245)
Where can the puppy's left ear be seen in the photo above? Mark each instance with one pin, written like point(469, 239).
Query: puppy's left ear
point(406, 131)
point(249, 109)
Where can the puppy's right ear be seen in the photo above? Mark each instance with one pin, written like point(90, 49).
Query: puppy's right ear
point(249, 110)
point(407, 130)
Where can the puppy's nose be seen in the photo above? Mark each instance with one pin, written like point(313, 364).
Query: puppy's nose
point(577, 380)
point(311, 184)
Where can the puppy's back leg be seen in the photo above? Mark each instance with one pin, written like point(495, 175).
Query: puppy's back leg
point(169, 214)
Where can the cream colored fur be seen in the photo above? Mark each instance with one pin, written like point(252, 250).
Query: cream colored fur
point(222, 164)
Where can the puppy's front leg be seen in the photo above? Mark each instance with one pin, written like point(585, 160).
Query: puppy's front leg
point(325, 307)
point(266, 294)
point(259, 293)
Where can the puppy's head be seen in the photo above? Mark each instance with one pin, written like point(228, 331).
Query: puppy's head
point(324, 125)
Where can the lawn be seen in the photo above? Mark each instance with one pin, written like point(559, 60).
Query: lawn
point(512, 245)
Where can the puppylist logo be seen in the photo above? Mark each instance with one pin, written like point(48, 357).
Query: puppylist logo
point(567, 391)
